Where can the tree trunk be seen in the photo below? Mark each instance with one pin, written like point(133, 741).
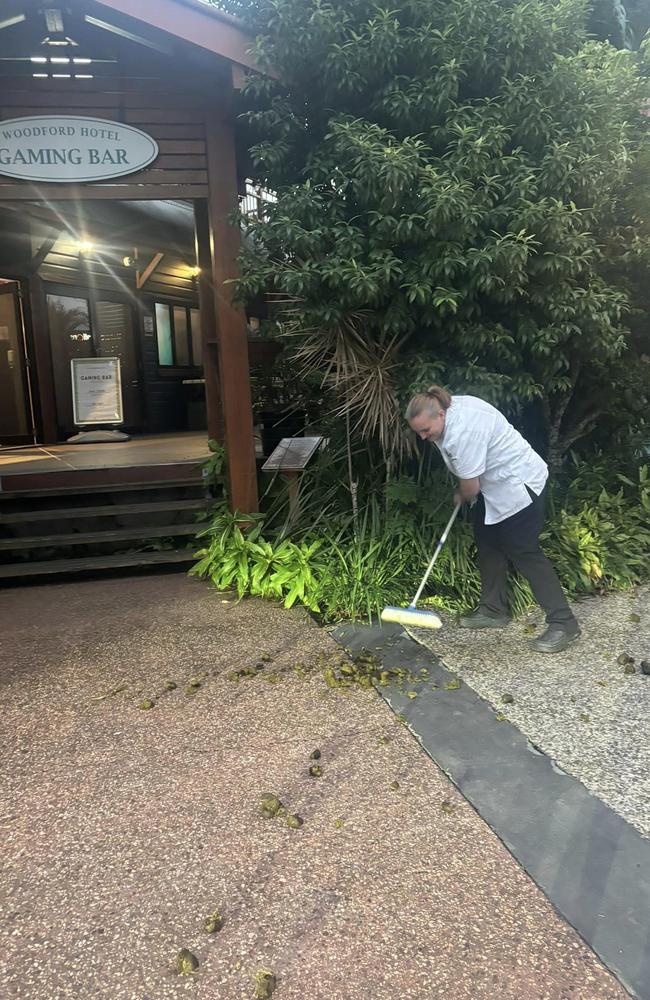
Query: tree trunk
point(555, 454)
point(557, 444)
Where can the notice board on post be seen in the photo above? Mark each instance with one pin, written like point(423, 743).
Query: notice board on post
point(292, 454)
point(96, 391)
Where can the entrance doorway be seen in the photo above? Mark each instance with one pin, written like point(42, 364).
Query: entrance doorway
point(89, 324)
point(16, 409)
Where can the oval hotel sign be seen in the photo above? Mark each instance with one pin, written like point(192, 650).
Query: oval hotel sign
point(64, 149)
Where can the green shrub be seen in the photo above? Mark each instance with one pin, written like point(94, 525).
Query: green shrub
point(242, 559)
point(604, 544)
point(352, 567)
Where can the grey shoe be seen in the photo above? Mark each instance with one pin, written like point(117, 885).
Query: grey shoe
point(480, 619)
point(555, 639)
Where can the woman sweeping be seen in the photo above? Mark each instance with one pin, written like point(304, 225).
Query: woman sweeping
point(496, 466)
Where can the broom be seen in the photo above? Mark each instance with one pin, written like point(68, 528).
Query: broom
point(411, 615)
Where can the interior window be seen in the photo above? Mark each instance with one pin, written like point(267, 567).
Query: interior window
point(178, 335)
point(181, 342)
point(164, 335)
point(195, 323)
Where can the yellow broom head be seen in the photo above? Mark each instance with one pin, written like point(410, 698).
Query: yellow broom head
point(412, 617)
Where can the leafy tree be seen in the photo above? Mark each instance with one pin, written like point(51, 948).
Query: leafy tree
point(454, 203)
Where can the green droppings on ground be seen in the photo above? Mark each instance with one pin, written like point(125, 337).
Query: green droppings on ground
point(265, 983)
point(186, 963)
point(213, 923)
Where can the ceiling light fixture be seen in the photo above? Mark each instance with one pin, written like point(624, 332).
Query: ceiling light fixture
point(55, 29)
point(63, 40)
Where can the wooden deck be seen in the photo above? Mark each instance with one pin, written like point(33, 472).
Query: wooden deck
point(146, 459)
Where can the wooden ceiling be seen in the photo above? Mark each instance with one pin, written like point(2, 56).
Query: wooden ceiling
point(103, 38)
point(45, 240)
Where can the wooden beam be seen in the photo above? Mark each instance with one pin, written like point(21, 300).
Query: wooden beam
point(154, 191)
point(232, 340)
point(196, 23)
point(44, 249)
point(142, 277)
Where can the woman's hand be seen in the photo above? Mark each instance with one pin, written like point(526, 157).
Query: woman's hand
point(468, 490)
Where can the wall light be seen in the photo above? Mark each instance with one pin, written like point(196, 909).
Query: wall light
point(84, 246)
point(194, 271)
point(128, 261)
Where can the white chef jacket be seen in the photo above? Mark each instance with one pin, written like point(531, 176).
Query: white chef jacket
point(478, 441)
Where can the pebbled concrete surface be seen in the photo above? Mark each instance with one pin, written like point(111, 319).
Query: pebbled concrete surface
point(124, 829)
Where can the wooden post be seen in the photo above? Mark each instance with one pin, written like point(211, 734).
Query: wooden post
point(232, 343)
point(293, 485)
point(209, 342)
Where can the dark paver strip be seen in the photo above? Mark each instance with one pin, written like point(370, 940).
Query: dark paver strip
point(592, 865)
point(585, 708)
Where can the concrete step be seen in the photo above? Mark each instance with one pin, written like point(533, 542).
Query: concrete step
point(94, 563)
point(19, 487)
point(102, 510)
point(97, 537)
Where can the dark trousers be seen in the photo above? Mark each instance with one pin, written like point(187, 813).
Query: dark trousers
point(517, 539)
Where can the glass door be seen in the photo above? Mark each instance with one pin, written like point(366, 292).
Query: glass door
point(93, 325)
point(16, 411)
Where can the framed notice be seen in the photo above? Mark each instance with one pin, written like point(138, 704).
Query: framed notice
point(292, 454)
point(96, 391)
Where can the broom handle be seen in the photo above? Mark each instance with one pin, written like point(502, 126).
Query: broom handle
point(435, 555)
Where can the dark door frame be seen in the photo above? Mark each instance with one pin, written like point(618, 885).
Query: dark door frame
point(30, 394)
